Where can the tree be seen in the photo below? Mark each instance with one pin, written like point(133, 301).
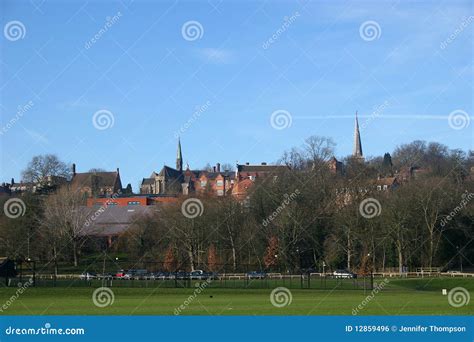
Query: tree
point(63, 222)
point(227, 167)
point(408, 155)
point(212, 258)
point(42, 166)
point(271, 255)
point(96, 169)
point(170, 261)
point(431, 199)
point(387, 164)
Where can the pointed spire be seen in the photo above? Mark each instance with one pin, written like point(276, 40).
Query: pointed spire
point(357, 141)
point(179, 157)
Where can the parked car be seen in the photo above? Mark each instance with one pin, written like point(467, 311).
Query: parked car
point(256, 275)
point(344, 274)
point(88, 276)
point(120, 274)
point(182, 275)
point(105, 276)
point(161, 275)
point(211, 275)
point(197, 274)
point(135, 274)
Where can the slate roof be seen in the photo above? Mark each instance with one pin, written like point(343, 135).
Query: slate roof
point(260, 168)
point(148, 181)
point(113, 220)
point(213, 175)
point(169, 172)
point(91, 179)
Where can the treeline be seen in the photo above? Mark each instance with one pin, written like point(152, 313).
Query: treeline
point(301, 218)
point(306, 216)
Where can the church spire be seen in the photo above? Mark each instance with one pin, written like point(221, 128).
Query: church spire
point(357, 141)
point(179, 157)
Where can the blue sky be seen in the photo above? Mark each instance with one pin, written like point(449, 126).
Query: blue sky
point(319, 67)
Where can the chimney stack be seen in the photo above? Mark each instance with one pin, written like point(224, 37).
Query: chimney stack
point(13, 181)
point(118, 171)
point(247, 163)
point(214, 169)
point(264, 163)
point(218, 167)
point(73, 169)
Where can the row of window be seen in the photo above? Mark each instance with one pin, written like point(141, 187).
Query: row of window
point(220, 182)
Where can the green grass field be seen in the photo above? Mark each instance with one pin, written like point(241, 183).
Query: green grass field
point(399, 297)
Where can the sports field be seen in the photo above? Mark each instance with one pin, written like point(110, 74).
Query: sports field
point(398, 297)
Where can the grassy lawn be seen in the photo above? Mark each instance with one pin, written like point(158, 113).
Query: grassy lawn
point(399, 297)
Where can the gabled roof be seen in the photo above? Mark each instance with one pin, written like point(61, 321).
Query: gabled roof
point(148, 181)
point(169, 172)
point(94, 179)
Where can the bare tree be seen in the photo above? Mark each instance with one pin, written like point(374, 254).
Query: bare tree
point(64, 221)
point(43, 166)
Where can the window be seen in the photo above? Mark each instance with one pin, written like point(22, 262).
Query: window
point(220, 192)
point(379, 187)
point(133, 203)
point(203, 183)
point(220, 182)
point(111, 203)
point(385, 187)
